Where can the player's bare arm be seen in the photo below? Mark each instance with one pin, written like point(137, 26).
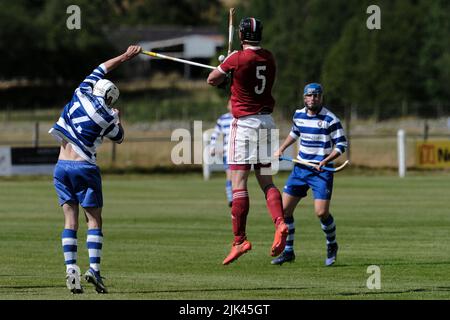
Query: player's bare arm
point(131, 52)
point(332, 156)
point(215, 78)
point(286, 143)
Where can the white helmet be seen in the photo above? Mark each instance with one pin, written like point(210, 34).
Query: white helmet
point(106, 89)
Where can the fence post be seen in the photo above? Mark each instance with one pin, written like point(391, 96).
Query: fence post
point(113, 154)
point(206, 169)
point(401, 141)
point(191, 130)
point(36, 135)
point(426, 129)
point(348, 117)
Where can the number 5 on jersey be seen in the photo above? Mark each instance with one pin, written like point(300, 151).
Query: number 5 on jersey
point(261, 77)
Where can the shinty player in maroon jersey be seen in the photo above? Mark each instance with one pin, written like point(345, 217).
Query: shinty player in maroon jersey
point(253, 72)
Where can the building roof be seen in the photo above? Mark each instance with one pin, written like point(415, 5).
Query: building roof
point(124, 36)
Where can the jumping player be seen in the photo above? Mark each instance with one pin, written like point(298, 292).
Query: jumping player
point(223, 128)
point(322, 139)
point(253, 72)
point(84, 122)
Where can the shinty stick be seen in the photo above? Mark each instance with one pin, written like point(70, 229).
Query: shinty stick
point(163, 56)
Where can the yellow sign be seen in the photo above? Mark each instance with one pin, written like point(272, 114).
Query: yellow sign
point(433, 154)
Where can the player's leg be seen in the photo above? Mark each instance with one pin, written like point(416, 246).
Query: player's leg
point(237, 159)
point(70, 247)
point(91, 199)
point(94, 243)
point(289, 204)
point(239, 212)
point(67, 199)
point(328, 225)
point(272, 194)
point(264, 150)
point(241, 204)
point(228, 187)
point(294, 190)
point(275, 207)
point(69, 234)
point(322, 187)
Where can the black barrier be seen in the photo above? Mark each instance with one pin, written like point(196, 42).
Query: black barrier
point(31, 155)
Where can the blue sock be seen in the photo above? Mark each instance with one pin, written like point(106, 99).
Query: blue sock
point(94, 245)
point(70, 246)
point(290, 238)
point(228, 190)
point(329, 227)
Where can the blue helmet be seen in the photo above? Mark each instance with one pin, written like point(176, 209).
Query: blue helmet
point(313, 88)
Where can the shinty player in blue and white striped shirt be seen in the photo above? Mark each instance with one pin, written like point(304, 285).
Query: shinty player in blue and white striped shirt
point(84, 122)
point(322, 140)
point(223, 128)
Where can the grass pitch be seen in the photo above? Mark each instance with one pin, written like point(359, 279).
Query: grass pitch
point(166, 236)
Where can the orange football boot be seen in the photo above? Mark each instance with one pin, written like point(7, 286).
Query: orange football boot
point(237, 250)
point(279, 241)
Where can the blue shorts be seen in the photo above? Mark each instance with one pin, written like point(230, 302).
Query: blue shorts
point(302, 178)
point(78, 182)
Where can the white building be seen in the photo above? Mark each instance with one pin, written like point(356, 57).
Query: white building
point(199, 44)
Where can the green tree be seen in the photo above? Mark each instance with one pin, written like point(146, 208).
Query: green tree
point(18, 45)
point(300, 33)
point(72, 53)
point(378, 69)
point(37, 44)
point(435, 52)
point(166, 12)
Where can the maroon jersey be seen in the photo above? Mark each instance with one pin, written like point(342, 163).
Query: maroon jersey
point(253, 77)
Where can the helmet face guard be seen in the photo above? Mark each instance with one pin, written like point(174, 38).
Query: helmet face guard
point(107, 90)
point(251, 30)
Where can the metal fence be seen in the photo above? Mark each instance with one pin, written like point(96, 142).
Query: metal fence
point(147, 149)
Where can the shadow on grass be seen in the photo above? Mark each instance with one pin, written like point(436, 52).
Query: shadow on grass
point(343, 265)
point(348, 294)
point(216, 290)
point(29, 287)
point(24, 287)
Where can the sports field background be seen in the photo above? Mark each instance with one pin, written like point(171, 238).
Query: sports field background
point(166, 236)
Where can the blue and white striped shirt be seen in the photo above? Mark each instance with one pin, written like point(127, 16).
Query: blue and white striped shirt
point(86, 119)
point(222, 128)
point(318, 134)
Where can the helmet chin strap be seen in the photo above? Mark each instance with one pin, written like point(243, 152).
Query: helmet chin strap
point(108, 103)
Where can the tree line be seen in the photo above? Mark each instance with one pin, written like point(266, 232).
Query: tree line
point(36, 43)
point(401, 68)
